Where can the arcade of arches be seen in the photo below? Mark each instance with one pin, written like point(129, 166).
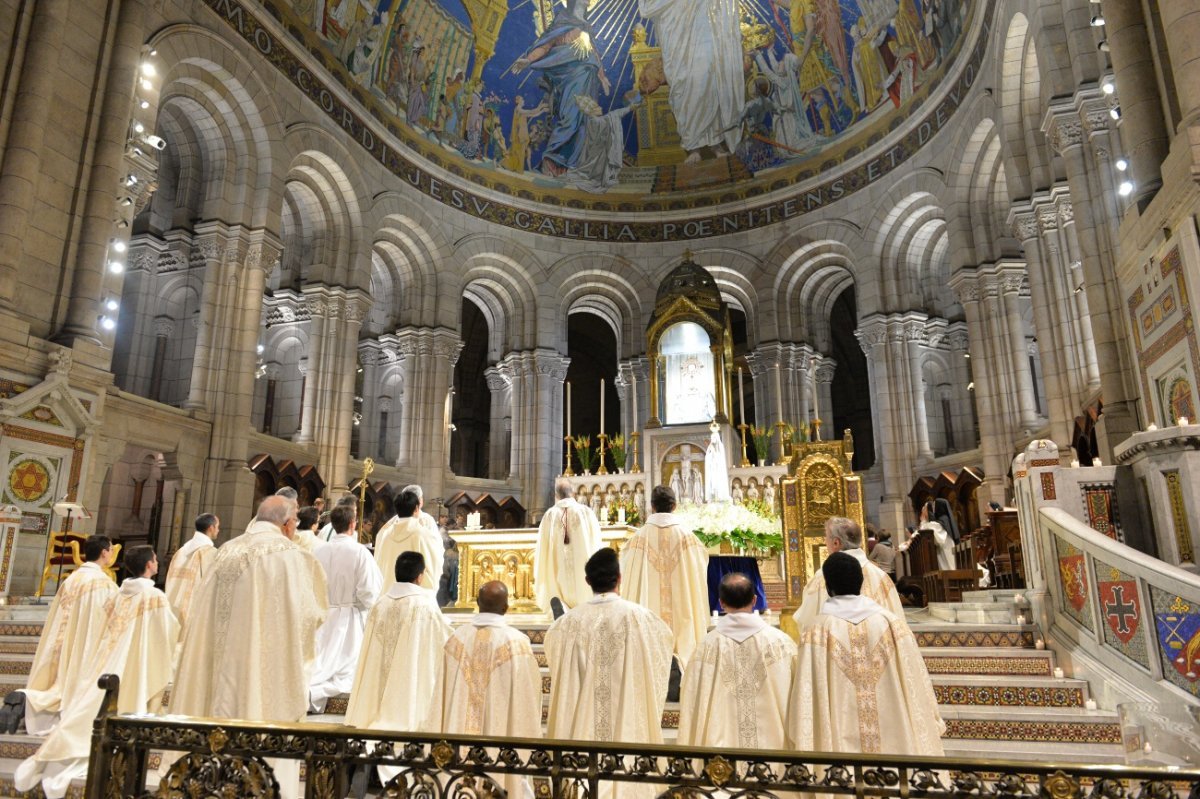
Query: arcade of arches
point(222, 269)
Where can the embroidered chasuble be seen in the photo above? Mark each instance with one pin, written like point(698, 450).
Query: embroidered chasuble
point(354, 583)
point(401, 660)
point(307, 540)
point(861, 685)
point(74, 623)
point(188, 567)
point(568, 535)
point(877, 586)
point(735, 690)
point(249, 649)
point(137, 644)
point(413, 534)
point(491, 685)
point(664, 567)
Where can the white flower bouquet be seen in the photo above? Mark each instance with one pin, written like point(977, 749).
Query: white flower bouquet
point(715, 523)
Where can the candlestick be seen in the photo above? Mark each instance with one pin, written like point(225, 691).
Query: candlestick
point(602, 413)
point(568, 417)
point(743, 427)
point(780, 426)
point(603, 469)
point(741, 397)
point(567, 472)
point(634, 438)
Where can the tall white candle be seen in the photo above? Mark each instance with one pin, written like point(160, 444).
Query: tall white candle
point(601, 406)
point(741, 397)
point(778, 394)
point(633, 395)
point(568, 409)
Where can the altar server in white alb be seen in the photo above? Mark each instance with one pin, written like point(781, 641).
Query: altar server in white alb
point(491, 684)
point(861, 683)
point(844, 535)
point(735, 690)
point(73, 625)
point(191, 562)
point(609, 660)
point(410, 530)
point(354, 583)
point(568, 535)
point(399, 668)
point(664, 567)
point(137, 643)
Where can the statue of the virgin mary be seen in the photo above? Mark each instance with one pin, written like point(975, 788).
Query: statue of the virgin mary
point(716, 467)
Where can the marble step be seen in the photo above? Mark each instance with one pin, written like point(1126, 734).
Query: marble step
point(1034, 692)
point(1045, 751)
point(989, 661)
point(973, 612)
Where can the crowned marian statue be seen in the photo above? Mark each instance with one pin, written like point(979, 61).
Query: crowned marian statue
point(716, 467)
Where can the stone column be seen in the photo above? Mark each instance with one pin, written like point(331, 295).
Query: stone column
point(23, 151)
point(536, 377)
point(430, 355)
point(873, 335)
point(501, 413)
point(164, 328)
point(1011, 283)
point(370, 435)
point(108, 162)
point(994, 443)
point(1143, 131)
point(962, 403)
point(215, 302)
point(914, 340)
point(1119, 420)
point(823, 369)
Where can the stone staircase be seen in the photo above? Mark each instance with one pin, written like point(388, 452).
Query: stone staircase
point(997, 691)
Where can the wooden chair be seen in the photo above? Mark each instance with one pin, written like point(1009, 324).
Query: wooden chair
point(62, 558)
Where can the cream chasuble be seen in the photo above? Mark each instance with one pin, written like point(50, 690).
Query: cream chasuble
point(249, 649)
point(876, 586)
point(307, 540)
point(413, 534)
point(491, 685)
point(861, 685)
point(396, 680)
point(73, 624)
point(138, 645)
point(191, 562)
point(609, 663)
point(354, 583)
point(568, 535)
point(735, 690)
point(664, 567)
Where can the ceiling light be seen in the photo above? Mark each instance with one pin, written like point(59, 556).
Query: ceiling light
point(111, 304)
point(1126, 188)
point(148, 69)
point(117, 245)
point(1098, 21)
point(1115, 112)
point(259, 349)
point(1103, 46)
point(1108, 87)
point(108, 323)
point(144, 104)
point(116, 267)
point(1122, 164)
point(138, 127)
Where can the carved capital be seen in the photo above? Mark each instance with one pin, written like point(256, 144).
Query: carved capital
point(164, 326)
point(1064, 130)
point(1024, 226)
point(825, 370)
point(872, 332)
point(496, 379)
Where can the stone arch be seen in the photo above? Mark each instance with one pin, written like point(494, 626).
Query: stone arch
point(792, 265)
point(500, 273)
point(903, 236)
point(608, 286)
point(410, 246)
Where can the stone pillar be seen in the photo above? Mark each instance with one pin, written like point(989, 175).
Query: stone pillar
point(536, 377)
point(430, 355)
point(23, 151)
point(164, 328)
point(873, 335)
point(823, 369)
point(1011, 283)
point(1181, 21)
point(1143, 131)
point(962, 403)
point(498, 425)
point(215, 301)
point(370, 435)
point(108, 162)
point(994, 441)
point(1055, 351)
point(1119, 419)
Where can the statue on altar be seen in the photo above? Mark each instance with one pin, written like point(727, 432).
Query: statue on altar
point(716, 467)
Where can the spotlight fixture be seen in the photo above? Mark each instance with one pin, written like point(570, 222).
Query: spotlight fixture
point(1108, 87)
point(154, 51)
point(1103, 46)
point(138, 127)
point(108, 323)
point(971, 386)
point(148, 69)
point(1098, 21)
point(111, 304)
point(1122, 164)
point(147, 85)
point(126, 201)
point(116, 267)
point(117, 245)
point(259, 349)
point(1115, 112)
point(1126, 188)
point(144, 104)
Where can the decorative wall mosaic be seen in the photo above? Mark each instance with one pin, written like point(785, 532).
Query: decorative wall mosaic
point(624, 105)
point(1122, 613)
point(30, 485)
point(1072, 575)
point(1100, 504)
point(1177, 628)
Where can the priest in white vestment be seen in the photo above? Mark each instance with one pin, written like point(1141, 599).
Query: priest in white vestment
point(250, 647)
point(609, 661)
point(73, 625)
point(735, 690)
point(191, 562)
point(396, 682)
point(934, 524)
point(491, 684)
point(844, 535)
point(664, 567)
point(861, 683)
point(354, 583)
point(306, 529)
point(410, 530)
point(137, 643)
point(568, 535)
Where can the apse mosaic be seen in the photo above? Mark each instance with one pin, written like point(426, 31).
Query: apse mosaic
point(634, 98)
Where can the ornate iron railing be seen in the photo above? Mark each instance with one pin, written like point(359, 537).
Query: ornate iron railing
point(234, 759)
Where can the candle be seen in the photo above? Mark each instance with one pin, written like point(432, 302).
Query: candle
point(1151, 428)
point(1147, 748)
point(1039, 644)
point(741, 397)
point(1183, 421)
point(601, 406)
point(778, 394)
point(1058, 672)
point(716, 615)
point(633, 394)
point(1096, 462)
point(1090, 704)
point(1074, 463)
point(1021, 619)
point(568, 409)
point(620, 515)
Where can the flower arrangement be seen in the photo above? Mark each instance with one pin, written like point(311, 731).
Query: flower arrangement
point(633, 514)
point(715, 523)
point(762, 441)
point(583, 451)
point(616, 445)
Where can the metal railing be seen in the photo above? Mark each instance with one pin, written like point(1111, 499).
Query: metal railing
point(234, 759)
